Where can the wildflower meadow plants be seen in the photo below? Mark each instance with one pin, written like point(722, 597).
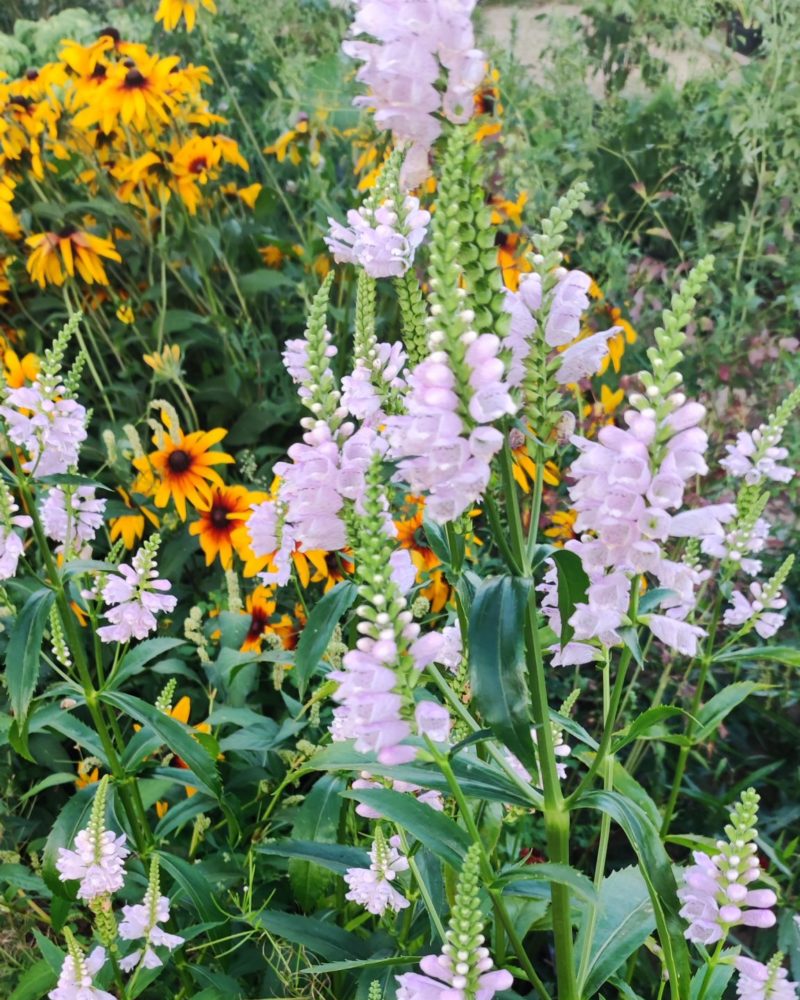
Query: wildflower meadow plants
point(414, 776)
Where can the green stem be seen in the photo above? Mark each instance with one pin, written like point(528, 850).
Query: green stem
point(488, 873)
point(423, 889)
point(683, 756)
point(518, 546)
point(709, 971)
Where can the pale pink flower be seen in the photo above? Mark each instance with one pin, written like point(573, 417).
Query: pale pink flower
point(141, 921)
point(98, 861)
point(47, 424)
point(762, 982)
point(76, 983)
point(371, 887)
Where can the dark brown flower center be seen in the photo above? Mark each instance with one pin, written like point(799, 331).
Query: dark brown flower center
point(32, 74)
point(198, 165)
point(134, 79)
point(66, 231)
point(110, 32)
point(219, 517)
point(179, 461)
point(99, 72)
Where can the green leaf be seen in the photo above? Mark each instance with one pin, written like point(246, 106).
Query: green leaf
point(435, 830)
point(318, 630)
point(175, 735)
point(58, 778)
point(318, 821)
point(656, 868)
point(643, 723)
point(723, 702)
point(787, 655)
point(437, 540)
point(262, 280)
point(193, 883)
point(624, 920)
point(35, 983)
point(630, 637)
point(652, 599)
point(547, 871)
point(51, 953)
point(24, 651)
point(73, 817)
point(716, 985)
point(476, 779)
point(358, 964)
point(497, 662)
point(137, 658)
point(573, 584)
point(335, 857)
point(319, 937)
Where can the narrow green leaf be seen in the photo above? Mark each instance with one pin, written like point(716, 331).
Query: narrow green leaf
point(317, 820)
point(319, 937)
point(35, 983)
point(624, 920)
point(175, 735)
point(573, 584)
point(548, 871)
point(435, 830)
point(318, 630)
point(335, 857)
point(137, 658)
point(656, 868)
point(787, 655)
point(358, 964)
point(644, 723)
point(24, 651)
point(713, 988)
point(497, 662)
point(477, 779)
point(722, 704)
point(191, 880)
point(58, 778)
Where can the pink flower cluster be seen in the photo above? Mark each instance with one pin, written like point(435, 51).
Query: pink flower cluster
point(141, 922)
point(439, 454)
point(135, 595)
point(414, 41)
point(295, 360)
point(98, 861)
point(625, 485)
point(11, 545)
point(362, 391)
point(763, 982)
point(47, 424)
point(445, 979)
point(715, 896)
point(75, 982)
point(372, 887)
point(756, 456)
point(382, 242)
point(74, 521)
point(563, 325)
point(763, 608)
point(371, 709)
point(426, 795)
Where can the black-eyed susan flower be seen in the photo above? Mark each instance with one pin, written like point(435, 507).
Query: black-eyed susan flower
point(19, 371)
point(562, 526)
point(87, 773)
point(170, 12)
point(411, 536)
point(225, 511)
point(57, 255)
point(132, 91)
point(264, 620)
point(182, 464)
point(248, 195)
point(125, 314)
point(130, 527)
point(272, 255)
point(524, 469)
point(9, 223)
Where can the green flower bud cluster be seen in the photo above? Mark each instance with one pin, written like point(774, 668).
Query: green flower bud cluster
point(413, 316)
point(542, 395)
point(164, 700)
point(666, 355)
point(50, 374)
point(464, 936)
point(322, 396)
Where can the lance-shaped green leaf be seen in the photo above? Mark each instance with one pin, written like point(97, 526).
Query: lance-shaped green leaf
point(497, 662)
point(723, 702)
point(573, 584)
point(317, 820)
point(335, 857)
point(318, 630)
point(24, 651)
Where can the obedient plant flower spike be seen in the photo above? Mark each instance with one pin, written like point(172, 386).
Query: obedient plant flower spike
point(308, 362)
point(375, 991)
point(75, 978)
point(756, 454)
point(72, 380)
point(99, 855)
point(373, 887)
point(762, 613)
point(11, 545)
point(715, 892)
point(764, 982)
point(58, 641)
point(164, 701)
point(141, 922)
point(53, 360)
point(662, 380)
point(365, 341)
point(464, 968)
point(548, 242)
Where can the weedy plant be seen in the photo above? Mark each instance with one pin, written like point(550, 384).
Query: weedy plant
point(405, 801)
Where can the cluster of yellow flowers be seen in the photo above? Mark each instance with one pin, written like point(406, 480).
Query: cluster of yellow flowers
point(121, 124)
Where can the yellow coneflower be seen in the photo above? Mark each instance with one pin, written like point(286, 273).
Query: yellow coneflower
point(125, 314)
point(220, 516)
point(171, 11)
point(616, 345)
point(411, 536)
point(249, 195)
point(271, 255)
point(9, 223)
point(562, 527)
point(512, 257)
point(182, 464)
point(19, 370)
point(57, 255)
point(524, 469)
point(87, 773)
point(131, 91)
point(130, 527)
point(264, 620)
